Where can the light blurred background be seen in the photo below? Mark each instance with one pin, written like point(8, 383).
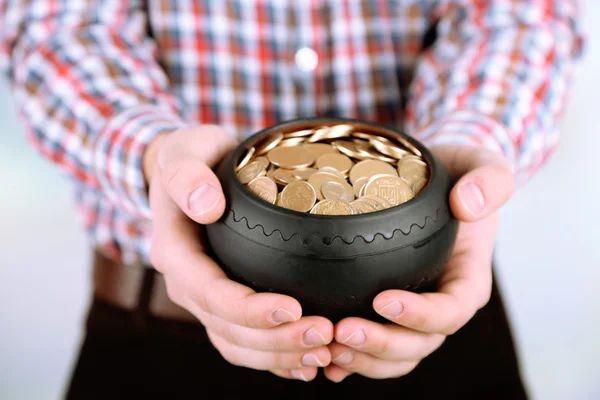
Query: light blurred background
point(549, 265)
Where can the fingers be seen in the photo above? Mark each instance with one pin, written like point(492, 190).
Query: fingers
point(336, 374)
point(364, 364)
point(302, 374)
point(264, 360)
point(485, 180)
point(185, 162)
point(386, 342)
point(308, 332)
point(195, 189)
point(207, 290)
point(464, 288)
point(196, 282)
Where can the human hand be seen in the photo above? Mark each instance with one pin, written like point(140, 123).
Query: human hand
point(261, 331)
point(421, 322)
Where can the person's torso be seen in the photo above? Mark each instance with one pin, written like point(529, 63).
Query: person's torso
point(248, 64)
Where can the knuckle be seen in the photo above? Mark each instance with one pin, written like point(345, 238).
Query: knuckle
point(408, 368)
point(231, 357)
point(173, 292)
point(157, 258)
point(485, 298)
point(279, 361)
point(225, 349)
point(457, 323)
point(203, 297)
point(420, 320)
point(278, 343)
point(247, 318)
point(170, 166)
point(227, 333)
point(452, 328)
point(380, 347)
point(428, 346)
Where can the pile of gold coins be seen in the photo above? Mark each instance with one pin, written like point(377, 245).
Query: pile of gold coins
point(333, 170)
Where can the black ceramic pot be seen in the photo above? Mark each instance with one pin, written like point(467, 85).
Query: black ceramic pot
point(333, 265)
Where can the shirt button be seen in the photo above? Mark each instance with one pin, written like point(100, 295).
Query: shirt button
point(307, 59)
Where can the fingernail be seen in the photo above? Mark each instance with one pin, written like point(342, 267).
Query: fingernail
point(311, 360)
point(344, 359)
point(312, 337)
point(356, 339)
point(392, 310)
point(472, 198)
point(297, 374)
point(203, 199)
point(281, 315)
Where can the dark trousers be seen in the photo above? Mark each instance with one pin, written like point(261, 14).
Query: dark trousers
point(124, 356)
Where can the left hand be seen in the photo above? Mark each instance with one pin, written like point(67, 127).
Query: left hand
point(421, 322)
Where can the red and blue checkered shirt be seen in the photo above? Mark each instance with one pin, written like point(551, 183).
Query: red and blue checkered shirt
point(96, 80)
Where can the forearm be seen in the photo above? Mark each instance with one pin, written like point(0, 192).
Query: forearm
point(497, 77)
point(89, 90)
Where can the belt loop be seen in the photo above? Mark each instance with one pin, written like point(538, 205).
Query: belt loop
point(140, 314)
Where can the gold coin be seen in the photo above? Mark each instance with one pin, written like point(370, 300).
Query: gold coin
point(362, 206)
point(361, 135)
point(278, 200)
point(339, 131)
point(319, 134)
point(283, 176)
point(291, 142)
point(318, 149)
point(291, 157)
point(264, 161)
point(250, 172)
point(265, 188)
point(271, 171)
point(269, 143)
point(338, 161)
point(412, 170)
point(347, 148)
point(418, 185)
point(391, 188)
point(304, 173)
point(369, 168)
point(302, 133)
point(247, 157)
point(379, 199)
point(365, 150)
point(360, 182)
point(330, 132)
point(388, 149)
point(409, 146)
point(332, 207)
point(317, 180)
point(411, 157)
point(337, 191)
point(298, 196)
point(332, 170)
point(373, 203)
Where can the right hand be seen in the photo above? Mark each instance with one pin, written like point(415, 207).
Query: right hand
point(262, 331)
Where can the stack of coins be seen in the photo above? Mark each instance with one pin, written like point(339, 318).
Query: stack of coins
point(333, 170)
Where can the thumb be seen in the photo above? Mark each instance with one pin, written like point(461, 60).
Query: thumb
point(195, 188)
point(484, 183)
point(187, 177)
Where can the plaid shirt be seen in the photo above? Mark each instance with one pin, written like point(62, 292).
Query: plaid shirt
point(95, 81)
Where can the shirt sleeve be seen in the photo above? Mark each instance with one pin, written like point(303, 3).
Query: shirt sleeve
point(89, 89)
point(497, 76)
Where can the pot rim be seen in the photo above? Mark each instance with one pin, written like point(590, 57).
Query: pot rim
point(311, 122)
